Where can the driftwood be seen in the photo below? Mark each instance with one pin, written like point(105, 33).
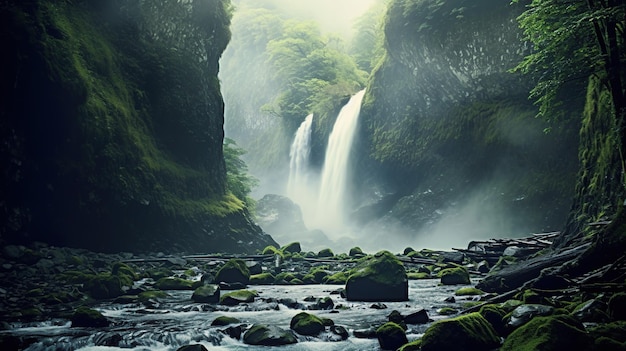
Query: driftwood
point(517, 275)
point(491, 250)
point(200, 257)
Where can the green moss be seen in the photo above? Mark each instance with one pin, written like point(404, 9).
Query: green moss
point(338, 278)
point(391, 336)
point(418, 275)
point(306, 324)
point(472, 331)
point(271, 250)
point(225, 320)
point(262, 278)
point(355, 251)
point(453, 276)
point(412, 346)
point(284, 277)
point(469, 291)
point(548, 333)
point(237, 297)
point(233, 271)
point(291, 247)
point(152, 295)
point(325, 253)
point(172, 283)
point(447, 311)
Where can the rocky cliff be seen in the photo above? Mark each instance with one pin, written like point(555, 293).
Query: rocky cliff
point(112, 127)
point(450, 135)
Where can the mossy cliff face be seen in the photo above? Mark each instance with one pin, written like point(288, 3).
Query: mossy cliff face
point(112, 128)
point(449, 129)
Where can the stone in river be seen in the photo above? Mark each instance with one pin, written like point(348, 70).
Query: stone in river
point(419, 317)
point(306, 324)
point(268, 335)
point(207, 294)
point(195, 347)
point(391, 336)
point(381, 278)
point(86, 317)
point(234, 271)
point(237, 297)
point(469, 332)
point(560, 332)
point(454, 276)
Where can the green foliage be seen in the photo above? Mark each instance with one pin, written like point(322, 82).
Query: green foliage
point(238, 181)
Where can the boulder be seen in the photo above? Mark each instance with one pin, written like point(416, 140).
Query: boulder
point(419, 317)
point(172, 283)
point(237, 297)
point(86, 317)
point(391, 336)
point(454, 276)
point(194, 347)
point(224, 320)
point(206, 294)
point(524, 313)
point(261, 279)
point(292, 247)
point(469, 332)
point(306, 324)
point(550, 333)
point(381, 278)
point(268, 335)
point(325, 253)
point(234, 271)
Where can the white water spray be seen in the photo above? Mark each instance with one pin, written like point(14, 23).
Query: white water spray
point(300, 186)
point(333, 194)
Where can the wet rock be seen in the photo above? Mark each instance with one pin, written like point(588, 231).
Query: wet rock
point(494, 315)
point(232, 286)
point(233, 331)
point(268, 335)
point(524, 313)
point(591, 311)
point(254, 267)
point(468, 292)
point(292, 248)
point(173, 283)
point(469, 332)
point(224, 320)
point(355, 252)
point(306, 324)
point(261, 279)
point(617, 306)
point(369, 333)
point(381, 278)
point(291, 303)
point(195, 347)
point(454, 276)
point(483, 267)
point(234, 271)
point(419, 317)
point(206, 294)
point(86, 317)
point(378, 306)
point(453, 257)
point(340, 331)
point(548, 333)
point(391, 336)
point(323, 303)
point(325, 253)
point(237, 297)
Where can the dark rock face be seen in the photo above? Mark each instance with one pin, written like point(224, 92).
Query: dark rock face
point(101, 152)
point(447, 129)
point(279, 216)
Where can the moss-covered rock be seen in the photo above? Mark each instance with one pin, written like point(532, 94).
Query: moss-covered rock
point(380, 278)
point(152, 295)
point(391, 336)
point(307, 324)
point(454, 276)
point(236, 297)
point(262, 278)
point(325, 253)
point(87, 317)
point(206, 294)
point(495, 316)
point(469, 332)
point(225, 320)
point(234, 271)
point(412, 346)
point(268, 335)
point(173, 283)
point(338, 278)
point(292, 248)
point(355, 252)
point(418, 275)
point(550, 333)
point(469, 291)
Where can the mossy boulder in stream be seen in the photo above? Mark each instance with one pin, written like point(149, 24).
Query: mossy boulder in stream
point(550, 333)
point(470, 332)
point(454, 276)
point(87, 317)
point(236, 297)
point(268, 335)
point(207, 294)
point(381, 278)
point(306, 324)
point(234, 271)
point(391, 336)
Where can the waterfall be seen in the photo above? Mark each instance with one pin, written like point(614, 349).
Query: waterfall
point(299, 185)
point(333, 194)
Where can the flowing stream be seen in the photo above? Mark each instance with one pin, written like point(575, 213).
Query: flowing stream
point(177, 321)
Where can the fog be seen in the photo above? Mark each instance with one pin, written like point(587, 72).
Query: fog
point(333, 16)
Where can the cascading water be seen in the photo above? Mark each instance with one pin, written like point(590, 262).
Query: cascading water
point(300, 187)
point(333, 194)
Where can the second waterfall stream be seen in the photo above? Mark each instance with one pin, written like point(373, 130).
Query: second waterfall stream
point(324, 197)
